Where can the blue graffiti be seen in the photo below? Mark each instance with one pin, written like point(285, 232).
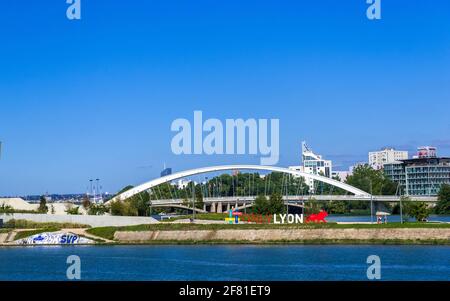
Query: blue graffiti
point(68, 239)
point(39, 238)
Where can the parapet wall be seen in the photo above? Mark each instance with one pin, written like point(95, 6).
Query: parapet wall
point(91, 220)
point(286, 235)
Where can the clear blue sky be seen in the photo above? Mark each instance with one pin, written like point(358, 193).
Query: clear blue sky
point(96, 97)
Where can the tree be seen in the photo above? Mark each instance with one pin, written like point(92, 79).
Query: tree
point(261, 205)
point(72, 210)
point(336, 207)
point(276, 204)
point(140, 203)
point(372, 181)
point(443, 204)
point(273, 205)
point(99, 209)
point(6, 209)
point(86, 203)
point(312, 206)
point(198, 197)
point(123, 208)
point(117, 208)
point(418, 210)
point(43, 208)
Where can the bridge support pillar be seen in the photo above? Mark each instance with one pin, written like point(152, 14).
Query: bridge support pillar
point(213, 207)
point(219, 207)
point(228, 207)
point(204, 207)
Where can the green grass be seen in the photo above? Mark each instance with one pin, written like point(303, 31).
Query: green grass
point(108, 232)
point(202, 216)
point(26, 224)
point(24, 234)
point(104, 232)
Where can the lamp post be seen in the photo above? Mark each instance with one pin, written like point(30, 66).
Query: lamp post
point(193, 200)
point(401, 211)
point(91, 187)
point(371, 200)
point(97, 189)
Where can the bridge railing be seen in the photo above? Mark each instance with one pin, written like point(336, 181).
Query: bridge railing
point(300, 198)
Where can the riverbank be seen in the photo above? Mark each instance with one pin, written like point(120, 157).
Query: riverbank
point(332, 233)
point(221, 233)
point(301, 236)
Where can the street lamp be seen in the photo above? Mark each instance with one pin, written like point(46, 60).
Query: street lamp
point(193, 200)
point(401, 211)
point(371, 200)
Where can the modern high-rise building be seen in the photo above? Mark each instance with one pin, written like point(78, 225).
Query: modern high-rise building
point(422, 175)
point(426, 152)
point(378, 159)
point(313, 164)
point(167, 171)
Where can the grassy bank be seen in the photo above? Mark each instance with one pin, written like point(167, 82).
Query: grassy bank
point(202, 216)
point(108, 232)
point(24, 234)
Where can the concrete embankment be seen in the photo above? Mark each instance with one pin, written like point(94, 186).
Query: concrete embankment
point(91, 220)
point(286, 235)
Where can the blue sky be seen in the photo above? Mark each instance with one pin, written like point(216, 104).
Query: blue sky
point(96, 97)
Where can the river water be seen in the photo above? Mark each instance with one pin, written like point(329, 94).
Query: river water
point(226, 262)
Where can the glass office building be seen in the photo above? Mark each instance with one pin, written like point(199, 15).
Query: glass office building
point(420, 176)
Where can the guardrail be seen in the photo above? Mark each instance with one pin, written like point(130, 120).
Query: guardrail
point(300, 198)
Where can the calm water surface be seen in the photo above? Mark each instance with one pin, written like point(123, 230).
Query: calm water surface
point(225, 262)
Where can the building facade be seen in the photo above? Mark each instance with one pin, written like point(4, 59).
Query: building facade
point(420, 176)
point(385, 156)
point(313, 164)
point(426, 152)
point(166, 172)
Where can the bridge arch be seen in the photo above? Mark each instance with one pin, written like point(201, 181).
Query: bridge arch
point(150, 184)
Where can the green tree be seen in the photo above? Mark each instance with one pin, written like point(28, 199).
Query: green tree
point(312, 206)
point(443, 204)
point(261, 205)
point(6, 209)
point(97, 209)
point(276, 204)
point(43, 208)
point(86, 203)
point(123, 208)
point(273, 205)
point(73, 210)
point(140, 203)
point(198, 197)
point(337, 207)
point(372, 181)
point(418, 210)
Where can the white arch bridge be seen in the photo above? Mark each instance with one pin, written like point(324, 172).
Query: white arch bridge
point(246, 201)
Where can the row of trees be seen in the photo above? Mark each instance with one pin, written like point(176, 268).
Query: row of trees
point(269, 189)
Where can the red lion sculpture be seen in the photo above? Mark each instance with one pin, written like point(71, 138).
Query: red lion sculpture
point(317, 218)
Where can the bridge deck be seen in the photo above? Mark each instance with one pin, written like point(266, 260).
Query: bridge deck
point(301, 198)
